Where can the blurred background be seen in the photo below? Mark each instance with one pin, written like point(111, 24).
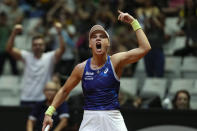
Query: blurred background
point(151, 83)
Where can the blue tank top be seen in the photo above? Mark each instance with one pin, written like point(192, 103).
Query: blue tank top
point(100, 87)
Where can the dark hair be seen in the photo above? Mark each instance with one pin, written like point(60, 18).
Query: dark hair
point(3, 14)
point(37, 37)
point(176, 96)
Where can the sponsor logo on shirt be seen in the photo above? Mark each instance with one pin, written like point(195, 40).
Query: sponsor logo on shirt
point(88, 78)
point(89, 73)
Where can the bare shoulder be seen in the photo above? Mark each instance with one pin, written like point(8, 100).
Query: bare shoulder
point(117, 55)
point(116, 58)
point(79, 68)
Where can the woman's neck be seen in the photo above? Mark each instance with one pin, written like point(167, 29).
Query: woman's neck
point(98, 60)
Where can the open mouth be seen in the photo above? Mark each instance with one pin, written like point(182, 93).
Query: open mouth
point(98, 45)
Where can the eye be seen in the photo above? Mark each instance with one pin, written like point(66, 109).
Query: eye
point(93, 36)
point(103, 36)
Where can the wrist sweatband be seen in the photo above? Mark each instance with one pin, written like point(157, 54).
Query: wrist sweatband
point(135, 24)
point(50, 111)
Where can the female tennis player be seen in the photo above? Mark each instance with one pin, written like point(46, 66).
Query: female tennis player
point(100, 76)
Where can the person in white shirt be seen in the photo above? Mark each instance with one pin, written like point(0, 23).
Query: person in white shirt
point(38, 65)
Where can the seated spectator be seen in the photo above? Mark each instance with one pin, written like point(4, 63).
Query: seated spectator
point(36, 117)
point(56, 78)
point(128, 101)
point(76, 103)
point(150, 100)
point(181, 100)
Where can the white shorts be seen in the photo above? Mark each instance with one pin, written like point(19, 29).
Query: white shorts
point(111, 120)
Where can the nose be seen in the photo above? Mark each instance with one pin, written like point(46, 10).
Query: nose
point(38, 46)
point(98, 39)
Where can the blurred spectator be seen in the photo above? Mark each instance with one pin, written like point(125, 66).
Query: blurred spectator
point(56, 78)
point(137, 103)
point(83, 16)
point(38, 65)
point(13, 12)
point(60, 118)
point(176, 3)
point(123, 42)
point(105, 17)
point(5, 6)
point(123, 97)
point(75, 103)
point(150, 100)
point(38, 8)
point(66, 63)
point(153, 24)
point(188, 16)
point(144, 101)
point(61, 12)
point(173, 7)
point(131, 6)
point(5, 31)
point(83, 47)
point(129, 102)
point(181, 100)
point(15, 15)
point(117, 46)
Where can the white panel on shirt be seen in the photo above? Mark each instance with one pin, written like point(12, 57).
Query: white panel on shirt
point(36, 73)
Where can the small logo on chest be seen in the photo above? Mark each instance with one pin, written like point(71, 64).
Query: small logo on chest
point(89, 75)
point(106, 70)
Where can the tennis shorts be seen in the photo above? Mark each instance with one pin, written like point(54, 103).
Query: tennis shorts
point(110, 120)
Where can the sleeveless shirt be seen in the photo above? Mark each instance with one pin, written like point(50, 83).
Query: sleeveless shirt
point(100, 87)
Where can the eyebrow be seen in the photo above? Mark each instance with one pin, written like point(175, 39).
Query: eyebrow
point(38, 43)
point(100, 34)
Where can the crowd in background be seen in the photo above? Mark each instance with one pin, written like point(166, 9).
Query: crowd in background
point(77, 17)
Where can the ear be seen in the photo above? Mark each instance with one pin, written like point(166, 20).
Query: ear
point(90, 46)
point(108, 43)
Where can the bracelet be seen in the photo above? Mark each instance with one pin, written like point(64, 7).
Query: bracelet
point(135, 24)
point(50, 111)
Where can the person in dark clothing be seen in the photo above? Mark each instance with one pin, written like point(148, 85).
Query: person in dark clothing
point(60, 118)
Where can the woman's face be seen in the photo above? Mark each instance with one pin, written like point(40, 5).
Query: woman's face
point(182, 101)
point(99, 42)
point(50, 91)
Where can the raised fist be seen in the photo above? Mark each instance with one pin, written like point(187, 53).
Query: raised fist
point(58, 26)
point(125, 17)
point(18, 29)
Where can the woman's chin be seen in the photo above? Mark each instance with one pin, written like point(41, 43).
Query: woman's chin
point(99, 52)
